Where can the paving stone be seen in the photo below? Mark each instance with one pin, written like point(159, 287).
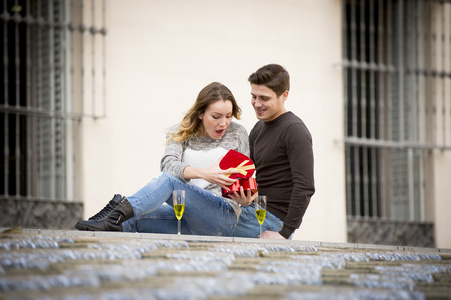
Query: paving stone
point(59, 264)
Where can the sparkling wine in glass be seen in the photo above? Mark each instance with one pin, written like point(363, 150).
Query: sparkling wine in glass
point(260, 210)
point(179, 206)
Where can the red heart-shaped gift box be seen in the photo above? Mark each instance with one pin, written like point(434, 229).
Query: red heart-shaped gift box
point(235, 160)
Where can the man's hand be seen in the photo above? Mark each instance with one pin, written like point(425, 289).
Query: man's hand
point(272, 235)
point(244, 198)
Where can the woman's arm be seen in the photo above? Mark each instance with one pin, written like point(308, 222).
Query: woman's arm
point(212, 174)
point(171, 162)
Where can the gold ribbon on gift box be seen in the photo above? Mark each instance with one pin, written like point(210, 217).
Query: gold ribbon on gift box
point(241, 168)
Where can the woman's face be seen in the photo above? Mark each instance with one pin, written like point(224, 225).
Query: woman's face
point(216, 119)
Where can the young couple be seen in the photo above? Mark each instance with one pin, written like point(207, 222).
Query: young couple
point(279, 144)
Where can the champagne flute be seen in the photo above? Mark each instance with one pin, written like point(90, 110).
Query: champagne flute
point(179, 206)
point(260, 210)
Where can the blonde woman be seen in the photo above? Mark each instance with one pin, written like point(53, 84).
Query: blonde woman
point(191, 163)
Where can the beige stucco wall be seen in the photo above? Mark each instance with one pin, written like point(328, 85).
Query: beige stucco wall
point(161, 53)
point(442, 205)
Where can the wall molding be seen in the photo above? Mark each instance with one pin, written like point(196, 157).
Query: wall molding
point(40, 214)
point(389, 232)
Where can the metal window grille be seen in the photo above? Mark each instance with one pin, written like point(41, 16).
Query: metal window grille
point(49, 57)
point(397, 72)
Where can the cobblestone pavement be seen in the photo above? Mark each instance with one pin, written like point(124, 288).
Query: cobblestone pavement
point(46, 264)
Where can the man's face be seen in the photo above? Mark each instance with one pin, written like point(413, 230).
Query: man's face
point(266, 104)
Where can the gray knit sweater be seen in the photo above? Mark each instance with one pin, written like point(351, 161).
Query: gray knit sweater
point(201, 152)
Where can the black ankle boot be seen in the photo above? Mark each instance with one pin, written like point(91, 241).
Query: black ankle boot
point(110, 217)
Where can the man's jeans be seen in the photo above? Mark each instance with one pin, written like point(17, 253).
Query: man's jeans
point(248, 225)
point(205, 213)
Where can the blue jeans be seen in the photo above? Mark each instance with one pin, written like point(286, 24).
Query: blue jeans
point(248, 225)
point(205, 213)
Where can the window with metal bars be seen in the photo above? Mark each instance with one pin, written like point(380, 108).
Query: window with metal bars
point(397, 72)
point(42, 95)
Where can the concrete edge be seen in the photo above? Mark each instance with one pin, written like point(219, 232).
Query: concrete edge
point(216, 239)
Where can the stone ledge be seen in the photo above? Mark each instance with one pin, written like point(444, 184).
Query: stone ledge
point(216, 239)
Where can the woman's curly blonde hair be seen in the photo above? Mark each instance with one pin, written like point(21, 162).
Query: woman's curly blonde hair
point(191, 124)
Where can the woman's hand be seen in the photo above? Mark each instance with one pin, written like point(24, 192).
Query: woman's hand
point(213, 174)
point(244, 198)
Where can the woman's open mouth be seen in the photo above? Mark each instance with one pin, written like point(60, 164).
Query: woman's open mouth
point(219, 132)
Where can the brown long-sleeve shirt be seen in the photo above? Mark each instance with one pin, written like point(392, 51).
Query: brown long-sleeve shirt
point(282, 152)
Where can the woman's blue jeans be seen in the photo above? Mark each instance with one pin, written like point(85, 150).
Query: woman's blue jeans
point(205, 213)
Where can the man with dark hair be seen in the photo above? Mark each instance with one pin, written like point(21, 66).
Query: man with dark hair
point(281, 148)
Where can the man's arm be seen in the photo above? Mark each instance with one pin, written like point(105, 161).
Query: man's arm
point(299, 149)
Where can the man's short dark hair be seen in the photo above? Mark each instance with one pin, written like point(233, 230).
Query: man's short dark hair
point(272, 76)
